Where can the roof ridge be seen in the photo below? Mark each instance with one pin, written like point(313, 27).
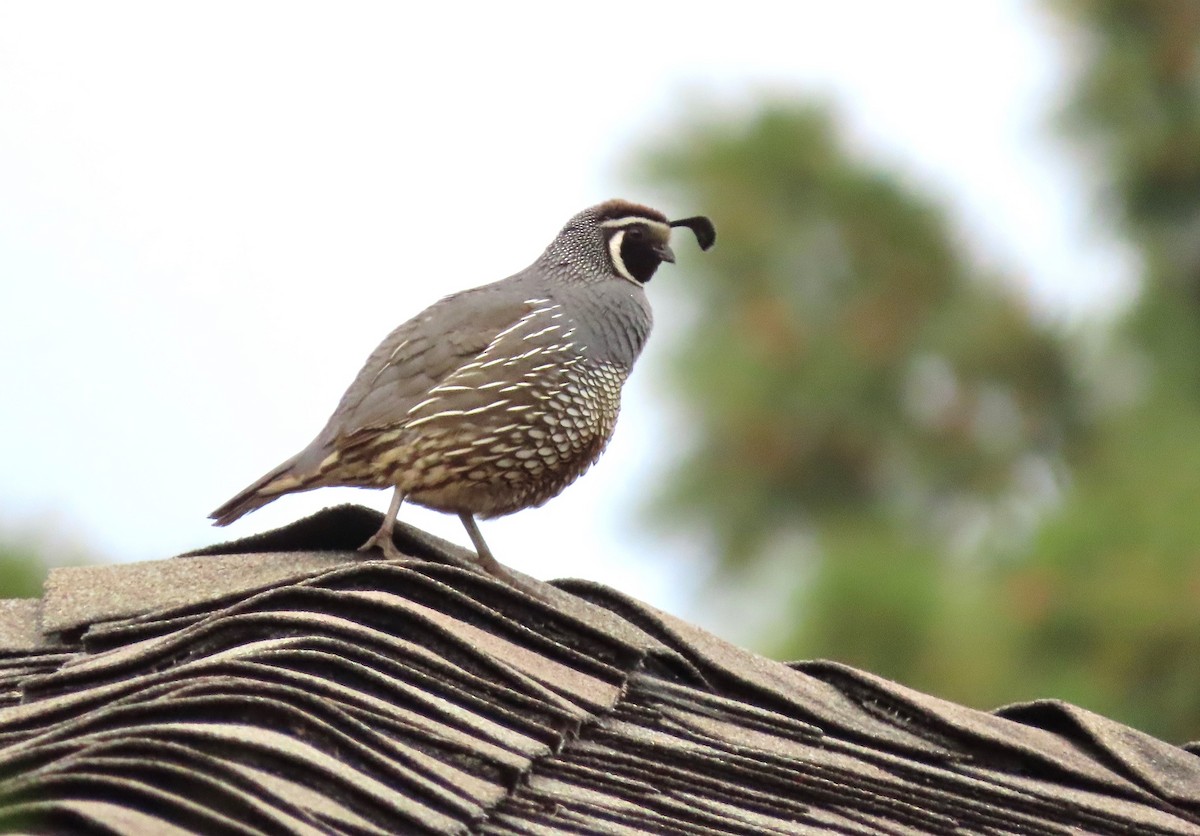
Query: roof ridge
point(313, 689)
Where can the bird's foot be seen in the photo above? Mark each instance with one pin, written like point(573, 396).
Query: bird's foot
point(383, 541)
point(497, 570)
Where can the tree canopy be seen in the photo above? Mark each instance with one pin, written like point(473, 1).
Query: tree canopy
point(884, 442)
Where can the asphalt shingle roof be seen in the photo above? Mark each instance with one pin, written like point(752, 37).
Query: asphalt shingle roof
point(283, 684)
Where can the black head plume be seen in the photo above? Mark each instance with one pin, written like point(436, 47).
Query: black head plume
point(706, 233)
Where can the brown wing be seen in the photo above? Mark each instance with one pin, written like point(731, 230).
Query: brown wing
point(419, 355)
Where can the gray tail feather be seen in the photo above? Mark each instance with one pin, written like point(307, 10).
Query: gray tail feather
point(262, 492)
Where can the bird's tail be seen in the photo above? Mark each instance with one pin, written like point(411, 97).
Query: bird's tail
point(270, 487)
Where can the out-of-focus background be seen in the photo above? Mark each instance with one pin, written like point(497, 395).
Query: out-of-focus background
point(931, 407)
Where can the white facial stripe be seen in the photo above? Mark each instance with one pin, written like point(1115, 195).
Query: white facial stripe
point(635, 219)
point(614, 253)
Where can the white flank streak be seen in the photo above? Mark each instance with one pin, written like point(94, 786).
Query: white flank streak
point(427, 418)
point(479, 363)
point(545, 330)
point(390, 358)
point(522, 321)
point(496, 340)
point(425, 402)
point(480, 409)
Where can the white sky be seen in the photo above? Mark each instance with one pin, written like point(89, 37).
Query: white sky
point(211, 213)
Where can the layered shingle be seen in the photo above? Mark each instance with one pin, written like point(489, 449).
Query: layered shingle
point(285, 685)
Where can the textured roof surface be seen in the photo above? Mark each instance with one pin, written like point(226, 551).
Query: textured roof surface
point(284, 685)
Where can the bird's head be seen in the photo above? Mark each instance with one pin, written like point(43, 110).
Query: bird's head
point(626, 239)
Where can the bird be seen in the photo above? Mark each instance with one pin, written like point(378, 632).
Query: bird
point(495, 399)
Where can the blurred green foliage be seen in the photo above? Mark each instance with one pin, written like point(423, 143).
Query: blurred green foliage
point(22, 569)
point(883, 442)
point(1120, 563)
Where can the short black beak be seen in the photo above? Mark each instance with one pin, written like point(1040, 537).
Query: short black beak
point(706, 233)
point(665, 253)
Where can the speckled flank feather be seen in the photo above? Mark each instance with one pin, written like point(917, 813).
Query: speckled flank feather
point(496, 398)
point(506, 431)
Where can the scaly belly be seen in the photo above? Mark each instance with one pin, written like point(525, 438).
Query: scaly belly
point(496, 461)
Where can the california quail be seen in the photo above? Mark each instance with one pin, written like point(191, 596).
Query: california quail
point(494, 399)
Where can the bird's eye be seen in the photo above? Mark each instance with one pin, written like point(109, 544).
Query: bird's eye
point(637, 233)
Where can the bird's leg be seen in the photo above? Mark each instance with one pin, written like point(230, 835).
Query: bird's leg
point(489, 563)
point(383, 537)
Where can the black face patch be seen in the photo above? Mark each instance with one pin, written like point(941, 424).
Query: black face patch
point(639, 252)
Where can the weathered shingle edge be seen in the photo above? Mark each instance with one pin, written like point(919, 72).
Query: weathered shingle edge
point(20, 625)
point(462, 705)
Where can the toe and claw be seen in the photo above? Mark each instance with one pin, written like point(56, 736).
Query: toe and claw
point(382, 540)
